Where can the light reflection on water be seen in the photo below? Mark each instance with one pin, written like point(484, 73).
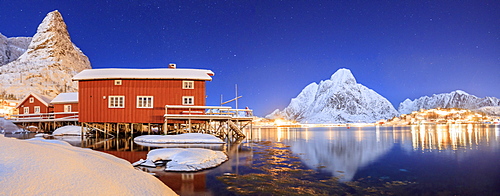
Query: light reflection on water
point(448, 157)
point(359, 152)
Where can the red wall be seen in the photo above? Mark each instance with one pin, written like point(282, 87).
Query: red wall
point(43, 108)
point(93, 98)
point(60, 108)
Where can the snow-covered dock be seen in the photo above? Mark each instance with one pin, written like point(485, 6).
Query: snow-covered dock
point(186, 138)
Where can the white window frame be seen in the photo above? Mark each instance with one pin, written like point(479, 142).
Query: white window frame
point(187, 84)
point(67, 108)
point(116, 101)
point(32, 100)
point(118, 82)
point(187, 100)
point(36, 110)
point(144, 102)
point(26, 110)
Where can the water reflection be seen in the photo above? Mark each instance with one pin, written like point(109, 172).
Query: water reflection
point(349, 154)
point(342, 151)
point(452, 137)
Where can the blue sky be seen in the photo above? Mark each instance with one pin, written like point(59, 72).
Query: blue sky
point(273, 49)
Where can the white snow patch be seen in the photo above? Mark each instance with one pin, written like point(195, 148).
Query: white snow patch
point(68, 130)
point(186, 138)
point(117, 73)
point(65, 98)
point(186, 159)
point(37, 167)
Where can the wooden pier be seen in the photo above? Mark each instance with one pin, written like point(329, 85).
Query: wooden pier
point(223, 122)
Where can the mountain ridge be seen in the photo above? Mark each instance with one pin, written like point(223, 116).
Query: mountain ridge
point(454, 99)
point(339, 99)
point(48, 64)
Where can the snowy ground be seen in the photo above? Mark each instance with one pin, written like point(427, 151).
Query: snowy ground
point(187, 138)
point(52, 167)
point(184, 159)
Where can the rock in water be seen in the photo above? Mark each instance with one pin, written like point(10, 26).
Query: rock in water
point(49, 63)
point(337, 100)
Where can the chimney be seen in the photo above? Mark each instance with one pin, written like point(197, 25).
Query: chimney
point(172, 65)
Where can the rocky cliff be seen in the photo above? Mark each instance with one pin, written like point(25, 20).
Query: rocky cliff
point(48, 64)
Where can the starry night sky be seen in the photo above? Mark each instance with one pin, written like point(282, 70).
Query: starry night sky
point(273, 49)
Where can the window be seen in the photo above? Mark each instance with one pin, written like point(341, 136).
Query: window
point(144, 101)
point(67, 108)
point(37, 109)
point(187, 84)
point(118, 82)
point(26, 110)
point(116, 102)
point(32, 100)
point(187, 100)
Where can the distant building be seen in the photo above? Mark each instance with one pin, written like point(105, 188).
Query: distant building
point(138, 95)
point(65, 105)
point(34, 104)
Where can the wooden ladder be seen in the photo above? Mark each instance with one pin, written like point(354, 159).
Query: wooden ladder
point(235, 128)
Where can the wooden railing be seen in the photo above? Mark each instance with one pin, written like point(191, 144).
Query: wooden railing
point(44, 116)
point(181, 110)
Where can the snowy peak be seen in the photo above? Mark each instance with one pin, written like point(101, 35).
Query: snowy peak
point(460, 92)
point(48, 64)
point(343, 76)
point(337, 100)
point(454, 99)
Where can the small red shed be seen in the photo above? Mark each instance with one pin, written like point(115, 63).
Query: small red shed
point(65, 105)
point(34, 104)
point(138, 95)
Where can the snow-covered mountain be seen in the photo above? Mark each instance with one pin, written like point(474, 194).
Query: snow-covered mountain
point(455, 99)
point(490, 110)
point(11, 48)
point(337, 100)
point(48, 64)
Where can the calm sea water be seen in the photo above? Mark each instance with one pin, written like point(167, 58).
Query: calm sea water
point(410, 160)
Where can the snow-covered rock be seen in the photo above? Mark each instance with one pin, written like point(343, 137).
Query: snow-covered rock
point(11, 48)
point(39, 167)
point(337, 100)
point(68, 130)
point(48, 64)
point(455, 99)
point(185, 159)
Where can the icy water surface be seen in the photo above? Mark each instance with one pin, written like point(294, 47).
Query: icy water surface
point(411, 160)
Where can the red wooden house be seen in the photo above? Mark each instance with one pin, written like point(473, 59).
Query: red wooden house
point(138, 95)
point(34, 104)
point(65, 105)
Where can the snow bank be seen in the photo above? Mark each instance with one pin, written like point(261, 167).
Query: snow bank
point(37, 167)
point(68, 130)
point(186, 138)
point(185, 159)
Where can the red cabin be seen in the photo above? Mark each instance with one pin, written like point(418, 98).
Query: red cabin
point(34, 105)
point(138, 95)
point(65, 105)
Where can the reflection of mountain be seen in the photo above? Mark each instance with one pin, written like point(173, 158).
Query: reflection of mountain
point(342, 152)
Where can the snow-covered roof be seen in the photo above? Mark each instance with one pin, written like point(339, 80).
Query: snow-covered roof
point(42, 98)
point(116, 73)
point(65, 98)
